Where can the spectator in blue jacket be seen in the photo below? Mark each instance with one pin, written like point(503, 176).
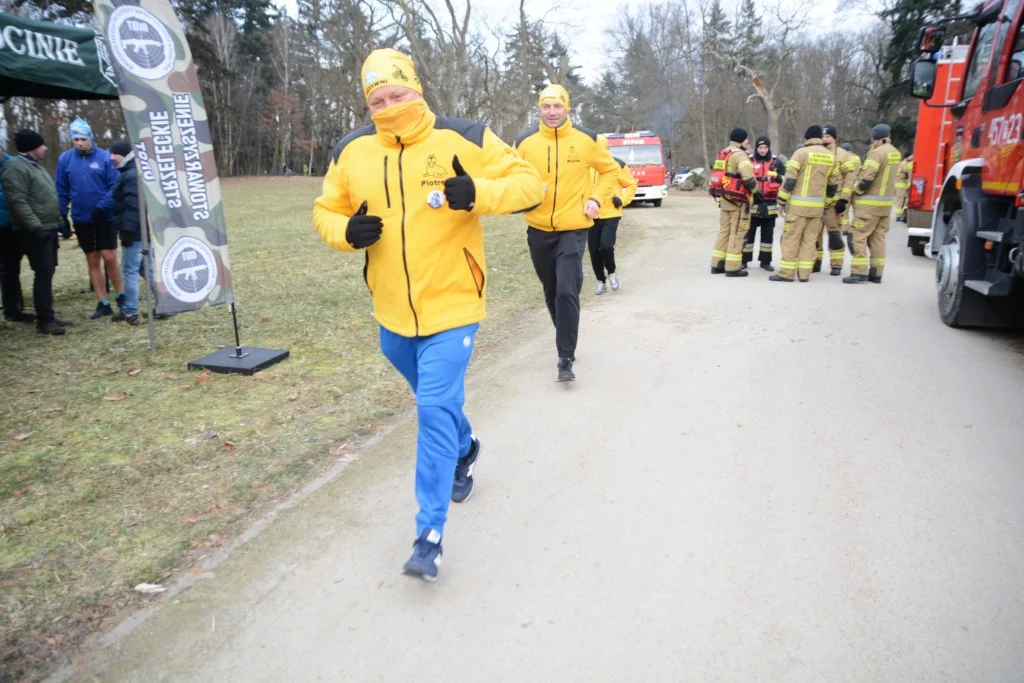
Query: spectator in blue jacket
point(85, 179)
point(11, 254)
point(129, 228)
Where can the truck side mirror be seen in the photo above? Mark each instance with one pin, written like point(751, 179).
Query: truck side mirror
point(922, 81)
point(930, 39)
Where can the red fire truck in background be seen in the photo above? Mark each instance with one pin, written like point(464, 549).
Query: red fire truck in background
point(930, 147)
point(643, 153)
point(978, 222)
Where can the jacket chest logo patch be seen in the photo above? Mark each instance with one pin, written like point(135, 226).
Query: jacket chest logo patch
point(94, 165)
point(574, 156)
point(435, 199)
point(435, 173)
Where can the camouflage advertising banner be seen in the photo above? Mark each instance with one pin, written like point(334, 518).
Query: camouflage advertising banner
point(163, 107)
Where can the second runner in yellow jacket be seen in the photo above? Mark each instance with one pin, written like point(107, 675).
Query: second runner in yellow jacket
point(601, 239)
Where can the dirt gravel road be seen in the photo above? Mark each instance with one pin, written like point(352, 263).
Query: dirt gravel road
point(750, 481)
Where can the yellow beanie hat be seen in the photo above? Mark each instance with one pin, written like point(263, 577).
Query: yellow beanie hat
point(554, 93)
point(389, 67)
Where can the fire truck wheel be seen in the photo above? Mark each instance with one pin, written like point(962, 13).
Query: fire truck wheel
point(657, 202)
point(956, 258)
point(917, 247)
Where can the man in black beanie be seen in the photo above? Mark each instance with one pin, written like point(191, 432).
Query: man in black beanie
point(732, 182)
point(873, 198)
point(35, 218)
point(812, 176)
point(768, 170)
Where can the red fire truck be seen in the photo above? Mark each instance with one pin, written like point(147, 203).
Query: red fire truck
point(643, 153)
point(978, 222)
point(930, 148)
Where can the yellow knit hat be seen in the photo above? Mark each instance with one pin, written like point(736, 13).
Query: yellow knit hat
point(554, 93)
point(389, 67)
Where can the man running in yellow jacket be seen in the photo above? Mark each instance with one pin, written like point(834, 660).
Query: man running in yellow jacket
point(409, 189)
point(557, 229)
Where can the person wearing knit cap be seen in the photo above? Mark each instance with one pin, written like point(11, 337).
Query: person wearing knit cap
point(812, 177)
point(85, 177)
point(408, 191)
point(557, 229)
point(768, 170)
point(10, 260)
point(125, 217)
point(873, 198)
point(733, 205)
point(834, 222)
point(35, 219)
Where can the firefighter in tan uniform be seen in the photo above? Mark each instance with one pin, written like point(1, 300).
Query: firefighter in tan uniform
point(903, 174)
point(872, 204)
point(812, 176)
point(735, 184)
point(835, 209)
point(844, 218)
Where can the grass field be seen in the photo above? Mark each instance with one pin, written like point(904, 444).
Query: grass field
point(118, 466)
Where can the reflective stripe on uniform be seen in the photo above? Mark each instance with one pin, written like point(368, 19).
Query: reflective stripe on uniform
point(793, 164)
point(765, 246)
point(733, 257)
point(805, 264)
point(717, 254)
point(871, 163)
point(806, 201)
point(878, 261)
point(874, 200)
point(859, 261)
point(790, 265)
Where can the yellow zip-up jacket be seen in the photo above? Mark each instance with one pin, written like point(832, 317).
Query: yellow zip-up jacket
point(876, 184)
point(564, 157)
point(626, 190)
point(812, 176)
point(427, 273)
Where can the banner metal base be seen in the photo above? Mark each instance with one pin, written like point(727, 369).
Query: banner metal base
point(239, 361)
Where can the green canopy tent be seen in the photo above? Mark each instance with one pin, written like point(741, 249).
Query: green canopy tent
point(57, 61)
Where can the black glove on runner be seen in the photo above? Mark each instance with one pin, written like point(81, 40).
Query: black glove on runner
point(65, 228)
point(841, 206)
point(617, 202)
point(363, 230)
point(460, 190)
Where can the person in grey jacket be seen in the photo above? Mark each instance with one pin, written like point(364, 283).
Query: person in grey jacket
point(35, 219)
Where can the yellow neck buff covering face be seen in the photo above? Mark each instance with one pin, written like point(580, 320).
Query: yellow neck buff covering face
point(406, 121)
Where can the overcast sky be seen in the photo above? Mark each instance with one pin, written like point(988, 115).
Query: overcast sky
point(582, 23)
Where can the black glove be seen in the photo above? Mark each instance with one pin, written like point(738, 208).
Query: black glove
point(841, 206)
point(65, 228)
point(460, 190)
point(863, 186)
point(363, 230)
point(127, 237)
point(617, 202)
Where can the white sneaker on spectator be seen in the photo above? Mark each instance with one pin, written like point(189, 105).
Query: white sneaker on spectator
point(613, 280)
point(601, 288)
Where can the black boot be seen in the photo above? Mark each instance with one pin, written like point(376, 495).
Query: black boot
point(779, 278)
point(874, 277)
point(565, 373)
point(855, 279)
point(736, 273)
point(719, 269)
point(817, 266)
point(50, 327)
point(836, 271)
point(20, 317)
point(102, 309)
point(767, 266)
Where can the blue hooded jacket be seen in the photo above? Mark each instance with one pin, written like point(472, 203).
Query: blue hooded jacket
point(5, 215)
point(85, 181)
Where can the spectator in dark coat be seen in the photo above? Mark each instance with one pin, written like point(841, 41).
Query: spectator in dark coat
point(126, 219)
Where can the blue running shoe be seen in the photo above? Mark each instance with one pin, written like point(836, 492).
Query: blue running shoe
point(462, 489)
point(426, 556)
